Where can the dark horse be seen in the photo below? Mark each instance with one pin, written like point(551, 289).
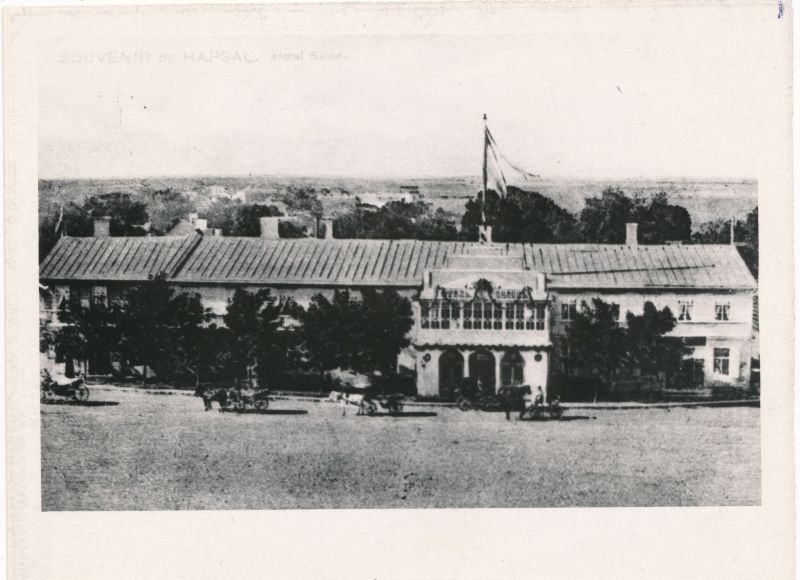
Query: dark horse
point(211, 394)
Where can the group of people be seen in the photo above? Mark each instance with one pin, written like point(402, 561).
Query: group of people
point(509, 395)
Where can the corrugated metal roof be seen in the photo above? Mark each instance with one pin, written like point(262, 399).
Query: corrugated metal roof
point(217, 260)
point(116, 258)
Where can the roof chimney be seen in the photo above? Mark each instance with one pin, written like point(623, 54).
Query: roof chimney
point(632, 234)
point(193, 218)
point(218, 232)
point(102, 227)
point(201, 224)
point(328, 229)
point(269, 228)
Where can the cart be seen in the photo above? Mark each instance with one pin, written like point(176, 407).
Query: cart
point(61, 387)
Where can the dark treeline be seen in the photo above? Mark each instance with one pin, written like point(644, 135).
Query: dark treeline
point(152, 330)
point(520, 216)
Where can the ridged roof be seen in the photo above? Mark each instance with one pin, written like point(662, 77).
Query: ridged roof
point(116, 258)
point(218, 260)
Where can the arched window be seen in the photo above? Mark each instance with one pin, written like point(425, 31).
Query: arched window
point(512, 369)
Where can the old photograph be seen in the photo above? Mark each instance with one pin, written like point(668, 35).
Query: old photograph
point(410, 271)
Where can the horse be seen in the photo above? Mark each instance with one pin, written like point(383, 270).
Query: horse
point(219, 394)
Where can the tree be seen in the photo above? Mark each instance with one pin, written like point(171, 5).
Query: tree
point(387, 320)
point(596, 342)
point(745, 236)
point(188, 347)
point(647, 349)
point(235, 218)
point(397, 220)
point(154, 324)
point(128, 216)
point(364, 335)
point(165, 208)
point(520, 216)
point(305, 200)
point(661, 222)
point(90, 328)
point(258, 339)
point(603, 218)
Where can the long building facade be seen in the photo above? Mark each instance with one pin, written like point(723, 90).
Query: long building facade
point(494, 312)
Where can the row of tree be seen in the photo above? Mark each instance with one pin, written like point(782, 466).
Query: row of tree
point(519, 216)
point(607, 351)
point(171, 335)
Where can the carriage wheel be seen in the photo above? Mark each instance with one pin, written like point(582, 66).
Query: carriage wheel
point(48, 395)
point(396, 408)
point(556, 413)
point(81, 393)
point(370, 408)
point(536, 413)
point(463, 404)
point(262, 405)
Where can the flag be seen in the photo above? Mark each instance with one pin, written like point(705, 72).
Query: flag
point(494, 167)
point(60, 221)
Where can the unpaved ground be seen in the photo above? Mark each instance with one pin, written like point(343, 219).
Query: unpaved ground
point(163, 452)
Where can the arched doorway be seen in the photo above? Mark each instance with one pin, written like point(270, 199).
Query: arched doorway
point(481, 367)
point(512, 369)
point(451, 372)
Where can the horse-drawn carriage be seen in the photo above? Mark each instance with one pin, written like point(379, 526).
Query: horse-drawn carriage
point(509, 398)
point(351, 388)
point(234, 399)
point(61, 388)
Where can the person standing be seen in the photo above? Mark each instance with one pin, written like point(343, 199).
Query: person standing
point(504, 395)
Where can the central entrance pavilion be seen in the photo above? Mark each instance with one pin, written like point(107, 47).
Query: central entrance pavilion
point(484, 315)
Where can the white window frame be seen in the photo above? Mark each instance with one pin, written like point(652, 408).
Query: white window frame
point(685, 310)
point(722, 358)
point(570, 308)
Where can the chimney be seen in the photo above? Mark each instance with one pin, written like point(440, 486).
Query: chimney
point(218, 232)
point(328, 229)
point(102, 227)
point(631, 234)
point(193, 218)
point(201, 224)
point(269, 228)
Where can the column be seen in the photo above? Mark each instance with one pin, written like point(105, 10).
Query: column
point(466, 354)
point(498, 355)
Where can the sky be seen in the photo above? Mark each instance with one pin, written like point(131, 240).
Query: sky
point(634, 97)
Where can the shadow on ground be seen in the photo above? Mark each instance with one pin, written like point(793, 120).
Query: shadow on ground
point(83, 403)
point(266, 411)
point(408, 414)
point(562, 419)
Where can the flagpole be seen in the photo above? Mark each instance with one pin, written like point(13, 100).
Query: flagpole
point(485, 175)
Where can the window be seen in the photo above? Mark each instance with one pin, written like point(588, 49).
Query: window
point(497, 323)
point(685, 310)
point(455, 315)
point(510, 313)
point(540, 316)
point(569, 310)
point(434, 310)
point(722, 311)
point(722, 361)
point(100, 294)
point(487, 315)
point(468, 318)
point(424, 315)
point(530, 318)
point(444, 314)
